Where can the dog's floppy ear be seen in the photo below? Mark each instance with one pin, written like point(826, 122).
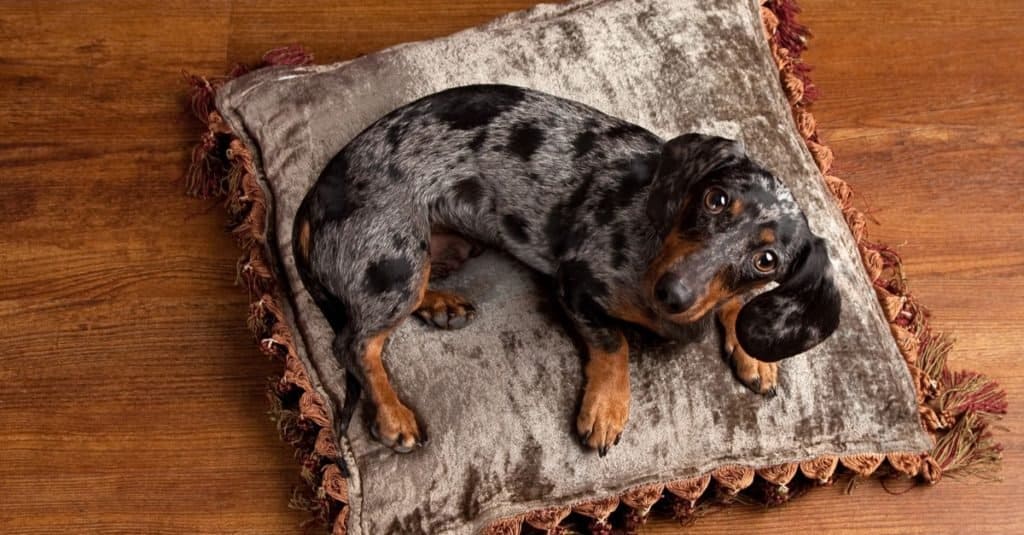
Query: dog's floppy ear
point(685, 160)
point(797, 315)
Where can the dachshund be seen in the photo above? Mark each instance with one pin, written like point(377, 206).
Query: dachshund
point(630, 227)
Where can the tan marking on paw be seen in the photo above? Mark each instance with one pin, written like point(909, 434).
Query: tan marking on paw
point(395, 425)
point(605, 408)
point(761, 377)
point(445, 309)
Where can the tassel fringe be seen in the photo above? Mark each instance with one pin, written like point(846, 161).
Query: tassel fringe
point(222, 167)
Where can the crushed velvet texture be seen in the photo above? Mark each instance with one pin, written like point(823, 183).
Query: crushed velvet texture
point(498, 398)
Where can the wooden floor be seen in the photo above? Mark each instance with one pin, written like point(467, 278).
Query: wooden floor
point(131, 394)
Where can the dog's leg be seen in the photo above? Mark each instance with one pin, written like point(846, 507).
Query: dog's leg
point(443, 309)
point(605, 407)
point(448, 251)
point(761, 377)
point(394, 423)
point(360, 345)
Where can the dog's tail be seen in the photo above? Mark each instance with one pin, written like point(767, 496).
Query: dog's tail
point(332, 308)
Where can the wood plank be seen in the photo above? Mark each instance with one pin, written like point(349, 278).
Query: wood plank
point(133, 399)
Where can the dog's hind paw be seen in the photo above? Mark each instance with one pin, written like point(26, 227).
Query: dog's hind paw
point(445, 310)
point(395, 427)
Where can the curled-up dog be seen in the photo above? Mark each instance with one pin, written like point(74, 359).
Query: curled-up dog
point(632, 228)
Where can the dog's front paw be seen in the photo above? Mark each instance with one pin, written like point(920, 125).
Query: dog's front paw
point(446, 310)
point(603, 415)
point(761, 377)
point(396, 428)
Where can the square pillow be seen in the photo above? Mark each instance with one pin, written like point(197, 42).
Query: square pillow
point(498, 397)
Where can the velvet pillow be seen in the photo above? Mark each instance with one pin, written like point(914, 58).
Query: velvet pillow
point(499, 397)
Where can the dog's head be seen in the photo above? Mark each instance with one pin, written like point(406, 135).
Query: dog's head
point(729, 227)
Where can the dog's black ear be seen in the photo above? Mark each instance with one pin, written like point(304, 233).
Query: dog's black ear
point(684, 160)
point(797, 315)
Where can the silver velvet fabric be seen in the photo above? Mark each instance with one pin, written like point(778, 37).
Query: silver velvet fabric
point(498, 398)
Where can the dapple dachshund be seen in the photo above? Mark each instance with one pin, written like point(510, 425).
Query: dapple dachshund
point(631, 228)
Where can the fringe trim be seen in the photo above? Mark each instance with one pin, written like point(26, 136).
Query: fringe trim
point(222, 167)
point(959, 409)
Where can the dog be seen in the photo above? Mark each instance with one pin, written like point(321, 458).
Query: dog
point(631, 228)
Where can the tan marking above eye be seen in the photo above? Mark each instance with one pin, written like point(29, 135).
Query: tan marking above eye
point(736, 208)
point(767, 236)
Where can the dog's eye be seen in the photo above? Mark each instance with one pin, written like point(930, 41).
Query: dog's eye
point(715, 200)
point(766, 261)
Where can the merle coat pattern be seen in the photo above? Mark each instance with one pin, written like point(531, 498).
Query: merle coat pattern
point(631, 227)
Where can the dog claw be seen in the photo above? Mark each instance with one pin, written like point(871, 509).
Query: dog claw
point(617, 439)
point(446, 310)
point(602, 451)
point(772, 392)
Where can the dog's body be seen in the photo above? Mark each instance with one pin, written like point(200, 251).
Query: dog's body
point(603, 206)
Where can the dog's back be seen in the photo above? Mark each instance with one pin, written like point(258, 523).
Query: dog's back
point(505, 165)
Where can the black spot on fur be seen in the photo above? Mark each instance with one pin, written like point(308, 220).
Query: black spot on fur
point(516, 228)
point(533, 176)
point(562, 230)
point(582, 293)
point(398, 241)
point(524, 140)
point(388, 275)
point(574, 238)
point(335, 199)
point(394, 173)
point(584, 142)
point(478, 141)
point(469, 191)
point(607, 207)
point(467, 108)
point(423, 245)
point(396, 132)
point(618, 249)
point(637, 173)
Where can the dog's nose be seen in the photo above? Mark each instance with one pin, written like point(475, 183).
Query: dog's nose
point(672, 293)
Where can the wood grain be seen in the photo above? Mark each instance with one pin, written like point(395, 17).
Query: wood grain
point(132, 397)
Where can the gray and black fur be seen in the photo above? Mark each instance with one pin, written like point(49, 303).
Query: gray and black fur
point(575, 194)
